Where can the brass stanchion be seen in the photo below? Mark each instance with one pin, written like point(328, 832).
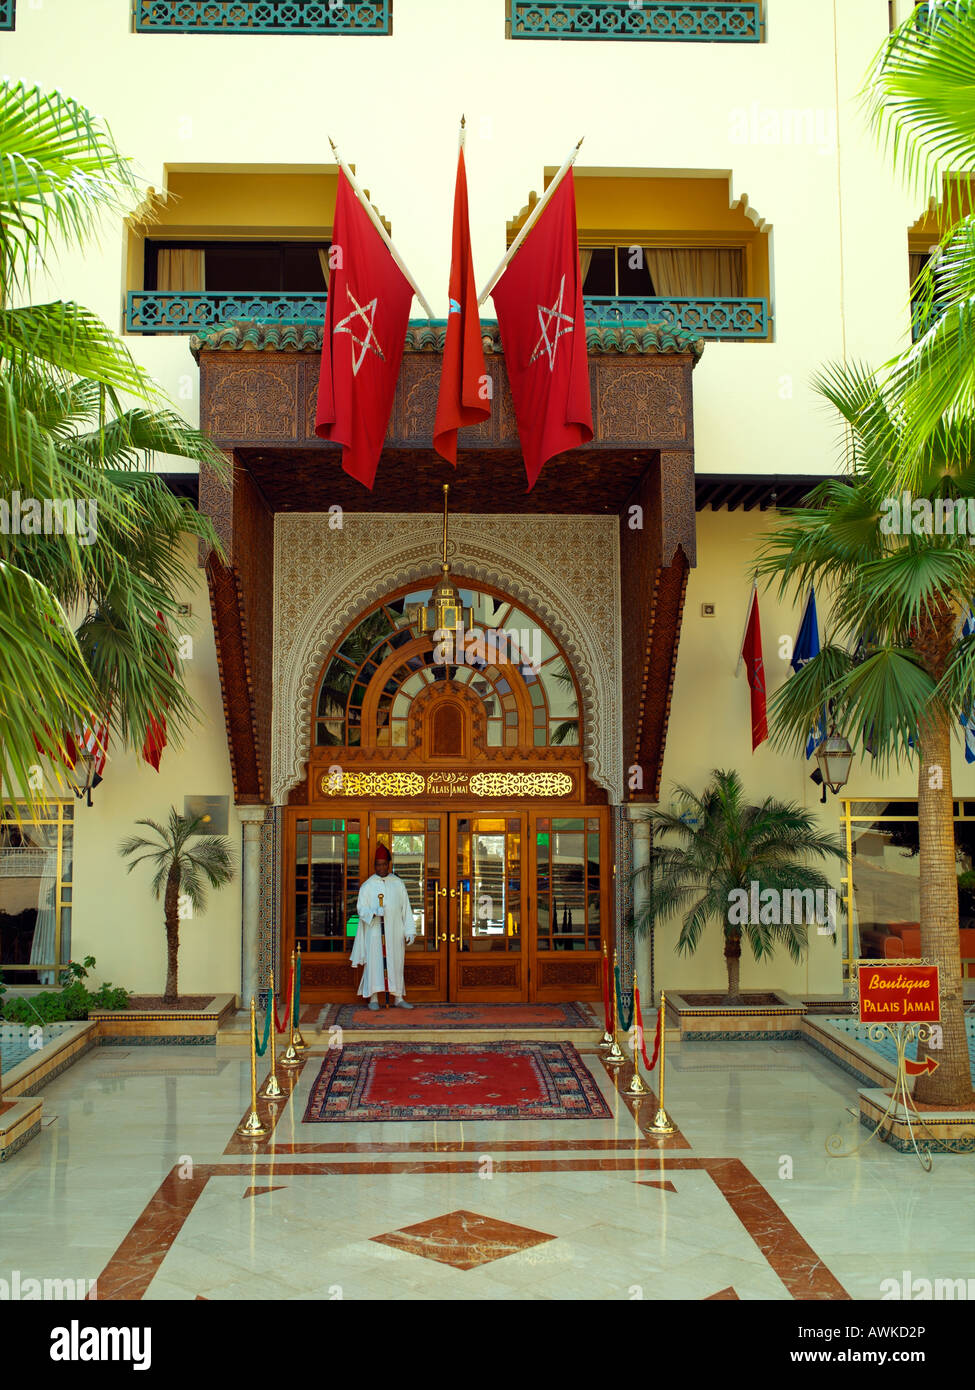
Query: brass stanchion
point(661, 1121)
point(291, 1058)
point(636, 1086)
point(297, 1041)
point(607, 1038)
point(252, 1127)
point(615, 1055)
point(272, 1089)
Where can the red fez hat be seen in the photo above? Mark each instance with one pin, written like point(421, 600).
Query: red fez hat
point(382, 852)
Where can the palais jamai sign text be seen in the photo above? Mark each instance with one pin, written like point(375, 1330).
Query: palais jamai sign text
point(353, 782)
point(899, 994)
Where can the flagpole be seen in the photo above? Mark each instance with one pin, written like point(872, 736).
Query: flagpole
point(463, 131)
point(376, 221)
point(530, 221)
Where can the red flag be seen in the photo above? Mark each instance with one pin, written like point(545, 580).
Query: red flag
point(751, 654)
point(543, 331)
point(366, 317)
point(94, 743)
point(460, 402)
point(155, 740)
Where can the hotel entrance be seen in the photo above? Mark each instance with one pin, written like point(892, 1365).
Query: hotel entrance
point(508, 905)
point(467, 764)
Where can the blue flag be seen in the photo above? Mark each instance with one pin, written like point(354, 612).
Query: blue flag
point(967, 720)
point(806, 647)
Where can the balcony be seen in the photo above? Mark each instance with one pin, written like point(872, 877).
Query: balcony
point(261, 16)
point(730, 320)
point(173, 311)
point(8, 12)
point(655, 20)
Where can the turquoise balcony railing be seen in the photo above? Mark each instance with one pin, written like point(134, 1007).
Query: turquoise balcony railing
point(170, 311)
point(720, 21)
point(263, 17)
point(732, 319)
point(8, 13)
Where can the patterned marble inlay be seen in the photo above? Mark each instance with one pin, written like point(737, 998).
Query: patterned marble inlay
point(463, 1239)
point(563, 569)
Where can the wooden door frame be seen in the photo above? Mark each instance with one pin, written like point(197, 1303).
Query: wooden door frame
point(551, 976)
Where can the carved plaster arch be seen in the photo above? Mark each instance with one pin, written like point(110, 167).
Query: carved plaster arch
point(383, 553)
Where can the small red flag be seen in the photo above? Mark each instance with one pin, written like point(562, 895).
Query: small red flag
point(366, 318)
point(460, 401)
point(751, 654)
point(543, 331)
point(155, 740)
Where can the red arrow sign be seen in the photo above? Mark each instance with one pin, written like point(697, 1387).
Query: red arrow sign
point(916, 1068)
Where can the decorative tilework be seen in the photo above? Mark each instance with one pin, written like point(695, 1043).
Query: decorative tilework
point(755, 1035)
point(160, 1040)
point(855, 1072)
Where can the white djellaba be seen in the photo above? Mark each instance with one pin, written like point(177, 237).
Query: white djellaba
point(400, 931)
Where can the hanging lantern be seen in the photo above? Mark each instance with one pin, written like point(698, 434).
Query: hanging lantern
point(445, 613)
point(834, 756)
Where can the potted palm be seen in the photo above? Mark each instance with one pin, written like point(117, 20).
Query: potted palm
point(716, 854)
point(182, 870)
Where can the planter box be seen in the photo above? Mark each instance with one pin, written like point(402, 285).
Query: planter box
point(161, 1027)
point(946, 1132)
point(20, 1122)
point(779, 1016)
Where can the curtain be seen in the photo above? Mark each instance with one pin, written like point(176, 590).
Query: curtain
point(585, 261)
point(43, 945)
point(181, 271)
point(323, 262)
point(696, 273)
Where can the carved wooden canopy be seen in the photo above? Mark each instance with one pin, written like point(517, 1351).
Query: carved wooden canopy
point(258, 389)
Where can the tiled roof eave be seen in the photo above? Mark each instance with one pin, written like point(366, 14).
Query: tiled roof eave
point(423, 336)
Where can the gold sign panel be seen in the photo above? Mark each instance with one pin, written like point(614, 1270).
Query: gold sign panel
point(353, 782)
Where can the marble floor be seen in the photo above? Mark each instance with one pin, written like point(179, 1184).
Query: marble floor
point(138, 1181)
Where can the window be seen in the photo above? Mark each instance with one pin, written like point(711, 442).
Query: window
point(35, 891)
point(663, 272)
point(260, 267)
point(567, 887)
point(883, 883)
point(326, 884)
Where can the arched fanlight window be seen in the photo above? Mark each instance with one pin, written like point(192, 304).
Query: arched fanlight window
point(510, 662)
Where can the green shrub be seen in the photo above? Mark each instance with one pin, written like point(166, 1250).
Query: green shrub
point(68, 1004)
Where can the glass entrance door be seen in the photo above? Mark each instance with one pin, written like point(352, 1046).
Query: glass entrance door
point(487, 957)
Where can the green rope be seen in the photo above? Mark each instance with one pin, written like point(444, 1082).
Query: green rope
point(261, 1048)
point(625, 1023)
point(297, 1003)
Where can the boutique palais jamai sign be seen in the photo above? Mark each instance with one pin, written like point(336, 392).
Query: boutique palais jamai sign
point(899, 994)
point(436, 785)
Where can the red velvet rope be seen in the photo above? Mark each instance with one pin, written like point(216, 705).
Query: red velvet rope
point(280, 1027)
point(643, 1046)
point(608, 1025)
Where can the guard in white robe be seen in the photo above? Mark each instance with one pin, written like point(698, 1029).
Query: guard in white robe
point(400, 931)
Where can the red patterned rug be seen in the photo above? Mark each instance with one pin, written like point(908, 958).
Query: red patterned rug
point(370, 1081)
point(461, 1016)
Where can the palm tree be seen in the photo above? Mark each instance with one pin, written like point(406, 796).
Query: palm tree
point(69, 442)
point(567, 730)
point(182, 870)
point(894, 674)
point(725, 845)
point(918, 95)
